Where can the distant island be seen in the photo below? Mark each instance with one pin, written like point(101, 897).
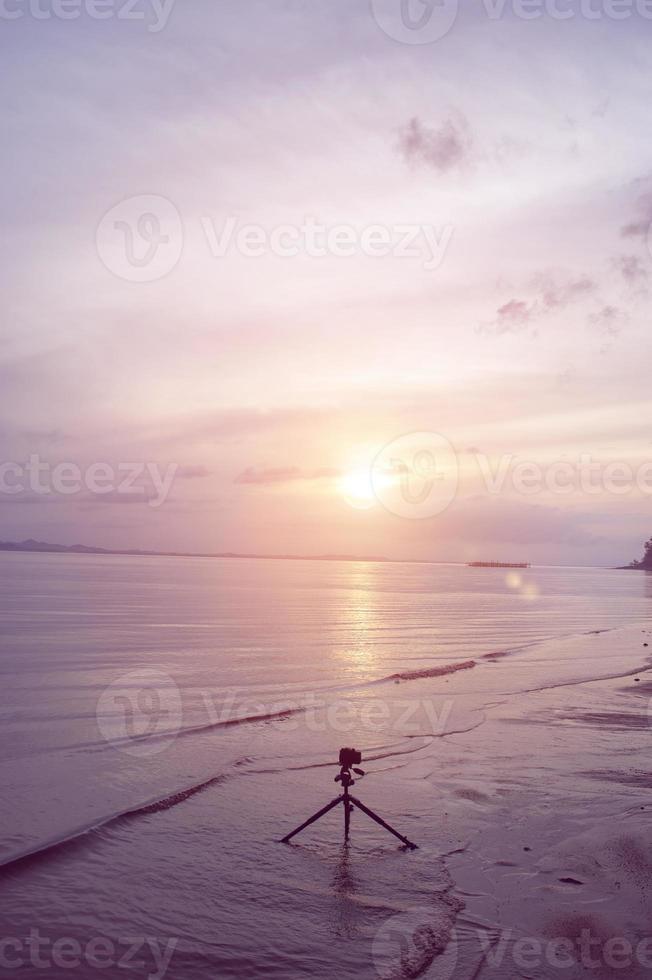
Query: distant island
point(44, 547)
point(498, 564)
point(645, 564)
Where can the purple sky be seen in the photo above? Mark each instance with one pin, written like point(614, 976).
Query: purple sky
point(520, 331)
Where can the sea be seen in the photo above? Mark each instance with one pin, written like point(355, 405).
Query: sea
point(167, 721)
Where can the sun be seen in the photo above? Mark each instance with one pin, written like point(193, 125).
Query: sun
point(357, 489)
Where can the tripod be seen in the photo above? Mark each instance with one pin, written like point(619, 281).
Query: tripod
point(349, 802)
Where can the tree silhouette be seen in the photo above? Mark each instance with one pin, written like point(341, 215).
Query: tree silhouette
point(646, 561)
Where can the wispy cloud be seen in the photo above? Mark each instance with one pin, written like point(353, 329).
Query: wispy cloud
point(631, 269)
point(283, 474)
point(550, 295)
point(639, 227)
point(610, 320)
point(556, 295)
point(513, 316)
point(443, 148)
point(190, 472)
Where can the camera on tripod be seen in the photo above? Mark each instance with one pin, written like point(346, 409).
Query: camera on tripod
point(349, 758)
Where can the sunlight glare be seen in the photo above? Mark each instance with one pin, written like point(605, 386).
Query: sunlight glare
point(357, 489)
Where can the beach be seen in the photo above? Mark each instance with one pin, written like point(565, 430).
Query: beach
point(168, 720)
point(325, 483)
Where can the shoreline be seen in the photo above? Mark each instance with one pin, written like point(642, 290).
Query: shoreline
point(89, 551)
point(557, 833)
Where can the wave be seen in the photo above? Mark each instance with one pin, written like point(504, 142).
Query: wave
point(96, 744)
point(46, 849)
point(645, 668)
point(413, 675)
point(50, 848)
point(209, 726)
point(54, 847)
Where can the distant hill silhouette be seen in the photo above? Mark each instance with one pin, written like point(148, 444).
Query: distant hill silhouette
point(646, 561)
point(31, 545)
point(44, 547)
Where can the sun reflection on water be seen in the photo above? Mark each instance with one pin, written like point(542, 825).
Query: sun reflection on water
point(359, 619)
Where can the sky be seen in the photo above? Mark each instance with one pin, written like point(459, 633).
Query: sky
point(328, 278)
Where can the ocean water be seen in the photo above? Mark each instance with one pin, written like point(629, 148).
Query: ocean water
point(165, 721)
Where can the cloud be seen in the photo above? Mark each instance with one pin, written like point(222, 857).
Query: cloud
point(513, 316)
point(555, 295)
point(637, 229)
point(631, 268)
point(192, 472)
point(28, 498)
point(602, 108)
point(551, 295)
point(442, 149)
point(282, 474)
point(609, 320)
point(48, 437)
point(138, 495)
point(487, 526)
point(640, 227)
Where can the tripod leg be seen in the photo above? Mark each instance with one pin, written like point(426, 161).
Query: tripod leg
point(374, 816)
point(315, 816)
point(347, 818)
